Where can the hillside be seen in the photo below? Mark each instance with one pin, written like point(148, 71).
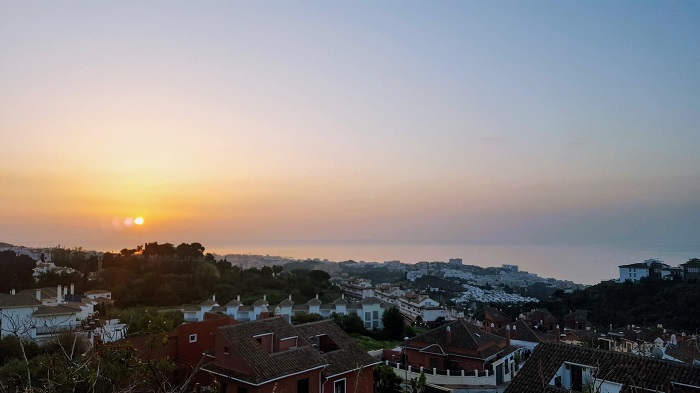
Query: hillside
point(674, 304)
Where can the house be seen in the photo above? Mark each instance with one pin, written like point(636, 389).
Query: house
point(522, 335)
point(458, 346)
point(691, 269)
point(577, 320)
point(541, 319)
point(649, 268)
point(495, 319)
point(98, 294)
point(556, 367)
point(270, 355)
point(185, 346)
point(43, 313)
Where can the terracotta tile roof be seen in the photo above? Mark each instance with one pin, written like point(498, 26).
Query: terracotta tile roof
point(349, 356)
point(687, 351)
point(494, 314)
point(192, 308)
point(523, 332)
point(578, 315)
point(267, 366)
point(463, 336)
point(626, 369)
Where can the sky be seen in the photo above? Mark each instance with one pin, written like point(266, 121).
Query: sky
point(328, 123)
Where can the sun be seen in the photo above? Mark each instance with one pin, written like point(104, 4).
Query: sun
point(138, 221)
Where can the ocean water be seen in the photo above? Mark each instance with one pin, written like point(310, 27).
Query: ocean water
point(581, 264)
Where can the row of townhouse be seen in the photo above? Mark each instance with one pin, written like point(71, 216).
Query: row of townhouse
point(42, 314)
point(370, 310)
point(656, 268)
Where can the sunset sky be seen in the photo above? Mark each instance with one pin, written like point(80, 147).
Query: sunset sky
point(240, 124)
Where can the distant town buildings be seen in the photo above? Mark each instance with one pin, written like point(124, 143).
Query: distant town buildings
point(511, 268)
point(455, 262)
point(658, 269)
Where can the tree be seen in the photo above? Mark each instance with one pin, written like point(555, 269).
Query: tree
point(418, 384)
point(319, 276)
point(386, 380)
point(393, 323)
point(350, 323)
point(304, 317)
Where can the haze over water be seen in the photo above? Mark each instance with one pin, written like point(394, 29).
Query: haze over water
point(581, 264)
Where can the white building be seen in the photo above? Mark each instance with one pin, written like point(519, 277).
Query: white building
point(43, 315)
point(370, 309)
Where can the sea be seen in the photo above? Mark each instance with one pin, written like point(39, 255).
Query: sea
point(582, 264)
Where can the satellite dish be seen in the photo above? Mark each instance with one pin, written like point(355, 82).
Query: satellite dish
point(657, 353)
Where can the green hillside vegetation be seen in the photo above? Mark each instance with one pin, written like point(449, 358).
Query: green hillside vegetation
point(674, 304)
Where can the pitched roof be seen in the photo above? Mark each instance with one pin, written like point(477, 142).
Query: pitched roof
point(261, 302)
point(314, 302)
point(578, 315)
point(626, 369)
point(286, 303)
point(233, 303)
point(496, 315)
point(19, 300)
point(519, 330)
point(208, 302)
point(349, 356)
point(340, 301)
point(267, 366)
point(636, 265)
point(463, 336)
point(59, 309)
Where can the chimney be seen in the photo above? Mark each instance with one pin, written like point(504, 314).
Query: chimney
point(213, 297)
point(65, 292)
point(72, 289)
point(492, 328)
point(342, 295)
point(38, 294)
point(264, 297)
point(290, 296)
point(59, 292)
point(12, 291)
point(448, 335)
point(238, 297)
point(317, 296)
point(508, 335)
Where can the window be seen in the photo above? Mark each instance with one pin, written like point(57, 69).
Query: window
point(241, 389)
point(225, 350)
point(303, 385)
point(368, 316)
point(339, 386)
point(193, 338)
point(375, 315)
